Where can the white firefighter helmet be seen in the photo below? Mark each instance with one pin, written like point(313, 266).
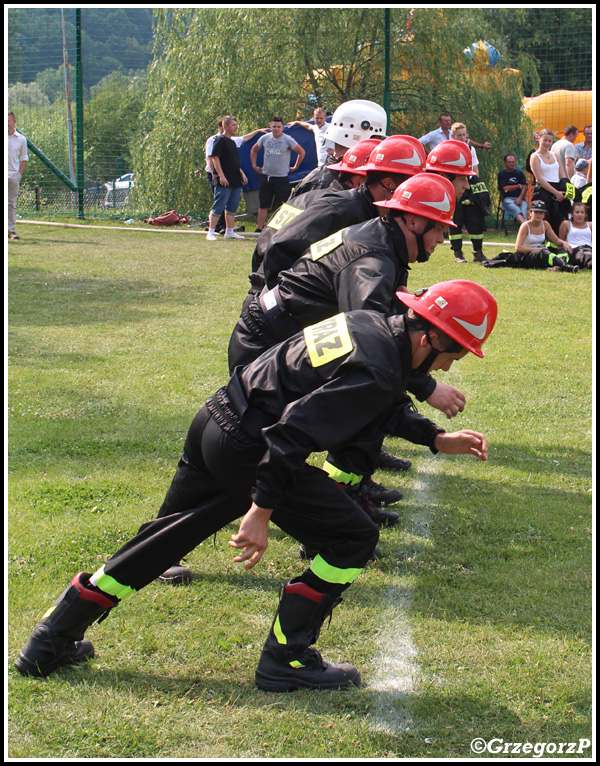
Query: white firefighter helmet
point(355, 120)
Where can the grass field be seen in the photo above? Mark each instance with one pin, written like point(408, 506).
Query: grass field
point(477, 621)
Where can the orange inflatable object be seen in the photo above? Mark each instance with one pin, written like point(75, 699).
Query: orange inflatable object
point(559, 108)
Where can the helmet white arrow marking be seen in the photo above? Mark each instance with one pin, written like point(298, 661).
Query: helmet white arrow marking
point(477, 331)
point(443, 205)
point(414, 160)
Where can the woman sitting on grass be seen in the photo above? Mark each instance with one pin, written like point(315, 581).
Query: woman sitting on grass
point(578, 233)
point(531, 251)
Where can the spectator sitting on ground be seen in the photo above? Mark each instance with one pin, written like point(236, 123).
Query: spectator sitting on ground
point(531, 251)
point(578, 233)
point(513, 188)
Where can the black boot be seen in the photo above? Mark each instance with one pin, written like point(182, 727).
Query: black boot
point(378, 494)
point(58, 639)
point(380, 516)
point(391, 462)
point(288, 661)
point(176, 575)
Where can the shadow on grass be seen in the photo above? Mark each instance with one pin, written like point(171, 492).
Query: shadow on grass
point(89, 300)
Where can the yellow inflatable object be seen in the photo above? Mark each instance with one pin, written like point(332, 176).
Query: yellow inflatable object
point(559, 108)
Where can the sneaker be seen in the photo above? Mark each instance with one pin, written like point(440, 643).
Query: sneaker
point(12, 235)
point(233, 235)
point(176, 575)
point(458, 258)
point(392, 462)
point(211, 236)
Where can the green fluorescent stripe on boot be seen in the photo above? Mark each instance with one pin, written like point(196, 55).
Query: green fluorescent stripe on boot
point(341, 477)
point(279, 634)
point(332, 574)
point(109, 585)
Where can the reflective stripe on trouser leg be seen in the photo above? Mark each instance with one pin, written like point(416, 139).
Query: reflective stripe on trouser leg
point(333, 575)
point(455, 241)
point(341, 477)
point(109, 585)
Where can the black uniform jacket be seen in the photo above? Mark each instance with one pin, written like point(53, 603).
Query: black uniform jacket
point(319, 178)
point(300, 223)
point(328, 386)
point(360, 267)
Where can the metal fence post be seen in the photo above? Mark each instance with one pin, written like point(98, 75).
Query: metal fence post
point(79, 111)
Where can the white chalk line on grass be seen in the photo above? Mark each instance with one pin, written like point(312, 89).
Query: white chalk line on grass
point(398, 673)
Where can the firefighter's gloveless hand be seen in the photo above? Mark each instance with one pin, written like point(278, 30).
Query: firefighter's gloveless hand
point(253, 535)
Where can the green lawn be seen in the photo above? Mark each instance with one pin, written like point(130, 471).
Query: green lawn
point(477, 621)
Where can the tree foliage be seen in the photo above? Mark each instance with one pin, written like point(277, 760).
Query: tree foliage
point(112, 38)
point(257, 62)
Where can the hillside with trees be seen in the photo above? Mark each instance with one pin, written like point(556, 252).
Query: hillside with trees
point(112, 39)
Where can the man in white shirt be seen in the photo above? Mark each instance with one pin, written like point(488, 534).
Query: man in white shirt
point(323, 145)
point(441, 133)
point(17, 160)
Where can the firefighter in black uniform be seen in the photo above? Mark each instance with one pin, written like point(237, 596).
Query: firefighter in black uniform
point(300, 223)
point(290, 232)
point(245, 455)
point(453, 160)
point(360, 267)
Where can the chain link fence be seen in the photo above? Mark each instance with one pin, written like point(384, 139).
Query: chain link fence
point(117, 104)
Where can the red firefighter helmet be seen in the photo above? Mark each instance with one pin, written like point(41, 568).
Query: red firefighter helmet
point(464, 310)
point(398, 154)
point(355, 157)
point(425, 194)
point(451, 157)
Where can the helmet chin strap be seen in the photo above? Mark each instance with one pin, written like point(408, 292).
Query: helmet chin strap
point(425, 365)
point(423, 255)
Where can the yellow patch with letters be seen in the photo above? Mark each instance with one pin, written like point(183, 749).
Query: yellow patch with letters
point(328, 340)
point(283, 216)
point(324, 246)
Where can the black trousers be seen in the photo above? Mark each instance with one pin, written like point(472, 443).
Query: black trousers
point(211, 488)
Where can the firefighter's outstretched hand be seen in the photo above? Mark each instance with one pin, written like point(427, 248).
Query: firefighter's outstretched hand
point(447, 399)
point(252, 536)
point(464, 442)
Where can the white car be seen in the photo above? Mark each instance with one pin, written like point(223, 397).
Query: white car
point(117, 192)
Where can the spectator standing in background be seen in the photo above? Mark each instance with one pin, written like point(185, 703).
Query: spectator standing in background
point(584, 149)
point(228, 191)
point(274, 182)
point(16, 162)
point(441, 133)
point(565, 150)
point(323, 145)
point(211, 176)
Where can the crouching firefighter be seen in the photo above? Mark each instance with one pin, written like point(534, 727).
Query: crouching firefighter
point(245, 457)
